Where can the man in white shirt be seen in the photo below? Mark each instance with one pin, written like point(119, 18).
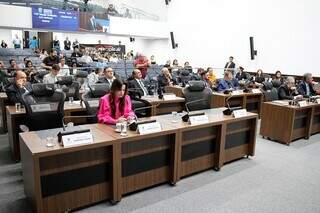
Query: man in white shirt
point(51, 78)
point(86, 58)
point(64, 69)
point(93, 77)
point(17, 42)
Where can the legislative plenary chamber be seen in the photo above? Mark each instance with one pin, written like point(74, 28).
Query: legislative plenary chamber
point(159, 106)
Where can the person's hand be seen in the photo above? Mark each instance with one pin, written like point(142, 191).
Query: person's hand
point(121, 119)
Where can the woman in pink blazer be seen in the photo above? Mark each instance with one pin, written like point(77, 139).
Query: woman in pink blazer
point(116, 106)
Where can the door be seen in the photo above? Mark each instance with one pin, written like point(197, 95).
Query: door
point(45, 40)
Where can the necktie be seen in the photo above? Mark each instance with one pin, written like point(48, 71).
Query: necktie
point(143, 88)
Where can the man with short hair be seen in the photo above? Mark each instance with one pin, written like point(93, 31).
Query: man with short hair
point(136, 86)
point(305, 88)
point(108, 76)
point(228, 82)
point(50, 60)
point(64, 69)
point(230, 65)
point(67, 44)
point(288, 91)
point(13, 66)
point(51, 78)
point(18, 88)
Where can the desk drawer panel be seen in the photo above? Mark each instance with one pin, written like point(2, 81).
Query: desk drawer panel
point(252, 106)
point(197, 134)
point(237, 139)
point(238, 126)
point(62, 182)
point(195, 150)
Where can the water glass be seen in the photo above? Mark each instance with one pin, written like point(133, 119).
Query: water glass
point(50, 142)
point(70, 100)
point(123, 129)
point(18, 107)
point(174, 116)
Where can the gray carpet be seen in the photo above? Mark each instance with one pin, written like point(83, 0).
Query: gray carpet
point(278, 179)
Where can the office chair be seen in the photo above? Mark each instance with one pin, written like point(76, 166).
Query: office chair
point(39, 76)
point(269, 92)
point(184, 76)
point(197, 90)
point(81, 77)
point(276, 83)
point(91, 100)
point(69, 86)
point(44, 107)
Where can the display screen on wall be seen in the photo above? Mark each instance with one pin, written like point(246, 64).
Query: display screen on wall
point(54, 19)
point(98, 22)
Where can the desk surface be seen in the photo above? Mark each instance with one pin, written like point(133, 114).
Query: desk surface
point(156, 100)
point(3, 95)
point(36, 141)
point(237, 95)
point(76, 106)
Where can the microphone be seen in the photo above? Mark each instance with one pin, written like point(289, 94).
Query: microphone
point(64, 132)
point(229, 109)
point(186, 117)
point(134, 125)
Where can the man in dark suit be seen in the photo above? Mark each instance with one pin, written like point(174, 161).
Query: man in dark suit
point(288, 91)
point(136, 85)
point(18, 88)
point(305, 88)
point(108, 76)
point(230, 65)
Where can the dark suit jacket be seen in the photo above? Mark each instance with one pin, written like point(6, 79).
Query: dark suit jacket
point(285, 94)
point(162, 81)
point(232, 65)
point(134, 88)
point(259, 79)
point(302, 89)
point(241, 76)
point(15, 93)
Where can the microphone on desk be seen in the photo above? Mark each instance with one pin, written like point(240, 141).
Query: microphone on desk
point(229, 109)
point(185, 118)
point(65, 132)
point(134, 125)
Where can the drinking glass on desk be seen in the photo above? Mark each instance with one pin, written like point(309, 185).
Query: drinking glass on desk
point(174, 117)
point(70, 100)
point(18, 107)
point(50, 141)
point(123, 129)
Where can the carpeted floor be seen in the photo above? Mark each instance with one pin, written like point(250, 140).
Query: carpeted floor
point(278, 179)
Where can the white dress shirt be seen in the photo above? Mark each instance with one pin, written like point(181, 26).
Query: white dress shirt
point(50, 79)
point(64, 70)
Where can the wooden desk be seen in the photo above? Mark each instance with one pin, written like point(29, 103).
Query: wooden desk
point(177, 90)
point(15, 119)
point(59, 179)
point(285, 123)
point(3, 103)
point(161, 107)
point(250, 101)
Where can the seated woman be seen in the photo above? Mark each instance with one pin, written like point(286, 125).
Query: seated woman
point(228, 82)
point(278, 77)
point(259, 78)
point(116, 106)
point(212, 75)
point(205, 78)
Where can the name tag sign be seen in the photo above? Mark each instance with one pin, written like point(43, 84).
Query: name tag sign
point(94, 103)
point(168, 97)
point(240, 113)
point(199, 119)
point(318, 101)
point(302, 103)
point(41, 107)
point(149, 128)
point(237, 92)
point(77, 139)
point(256, 91)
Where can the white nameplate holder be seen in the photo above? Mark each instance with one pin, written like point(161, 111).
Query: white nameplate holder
point(94, 103)
point(302, 103)
point(318, 101)
point(198, 119)
point(237, 92)
point(240, 113)
point(77, 139)
point(256, 91)
point(149, 128)
point(168, 97)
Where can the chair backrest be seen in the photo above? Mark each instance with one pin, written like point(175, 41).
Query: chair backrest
point(269, 92)
point(44, 107)
point(197, 91)
point(276, 83)
point(91, 99)
point(39, 76)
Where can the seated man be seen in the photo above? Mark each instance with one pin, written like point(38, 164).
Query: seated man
point(165, 78)
point(108, 75)
point(136, 86)
point(51, 78)
point(93, 77)
point(288, 91)
point(64, 69)
point(305, 88)
point(241, 75)
point(50, 60)
point(18, 88)
point(228, 82)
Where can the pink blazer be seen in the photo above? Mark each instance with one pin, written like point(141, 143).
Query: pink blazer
point(105, 115)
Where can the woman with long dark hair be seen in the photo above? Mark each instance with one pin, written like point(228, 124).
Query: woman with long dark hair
point(116, 106)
